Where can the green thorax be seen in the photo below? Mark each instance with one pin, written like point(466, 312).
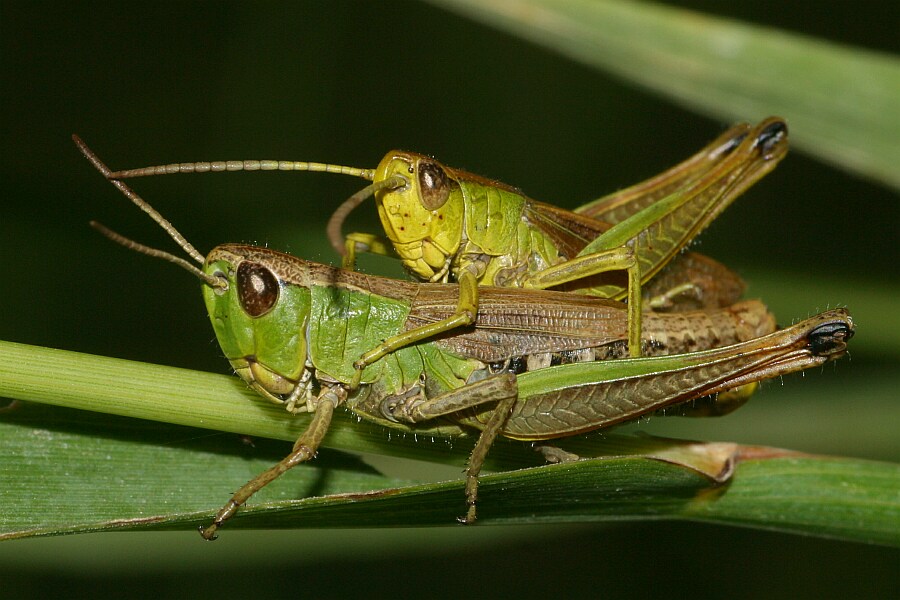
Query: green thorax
point(346, 323)
point(497, 226)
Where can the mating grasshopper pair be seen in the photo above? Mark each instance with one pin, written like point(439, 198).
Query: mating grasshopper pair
point(528, 370)
point(451, 225)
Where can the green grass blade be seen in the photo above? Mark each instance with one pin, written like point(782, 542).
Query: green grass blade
point(840, 102)
point(194, 399)
point(69, 471)
point(831, 497)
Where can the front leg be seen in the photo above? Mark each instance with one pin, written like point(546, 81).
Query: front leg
point(365, 242)
point(304, 449)
point(466, 313)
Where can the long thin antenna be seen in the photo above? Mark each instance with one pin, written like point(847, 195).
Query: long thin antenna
point(210, 280)
point(336, 222)
point(221, 166)
point(138, 201)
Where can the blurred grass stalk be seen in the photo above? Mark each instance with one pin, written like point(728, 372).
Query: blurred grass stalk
point(840, 102)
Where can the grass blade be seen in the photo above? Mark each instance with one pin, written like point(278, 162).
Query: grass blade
point(840, 101)
point(70, 471)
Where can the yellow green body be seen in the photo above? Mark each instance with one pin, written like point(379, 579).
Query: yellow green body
point(444, 221)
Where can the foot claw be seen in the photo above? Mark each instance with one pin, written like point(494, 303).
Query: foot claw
point(208, 533)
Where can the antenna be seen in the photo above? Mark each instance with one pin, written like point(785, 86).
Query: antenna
point(216, 282)
point(221, 166)
point(210, 280)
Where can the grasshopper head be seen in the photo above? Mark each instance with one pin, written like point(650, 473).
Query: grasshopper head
point(260, 319)
point(258, 301)
point(424, 218)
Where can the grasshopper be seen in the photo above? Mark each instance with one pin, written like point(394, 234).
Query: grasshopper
point(450, 225)
point(291, 329)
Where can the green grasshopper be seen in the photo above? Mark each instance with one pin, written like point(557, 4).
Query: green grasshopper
point(291, 329)
point(447, 224)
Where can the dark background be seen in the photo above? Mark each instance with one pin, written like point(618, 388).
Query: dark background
point(346, 82)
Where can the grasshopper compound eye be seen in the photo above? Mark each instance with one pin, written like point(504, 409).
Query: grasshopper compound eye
point(258, 288)
point(434, 188)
